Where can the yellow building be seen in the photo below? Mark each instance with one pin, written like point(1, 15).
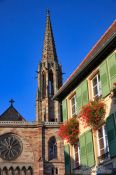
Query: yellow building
point(95, 151)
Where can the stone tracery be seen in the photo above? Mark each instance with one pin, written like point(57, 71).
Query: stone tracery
point(10, 146)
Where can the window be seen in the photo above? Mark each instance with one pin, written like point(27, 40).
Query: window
point(51, 84)
point(43, 85)
point(52, 148)
point(103, 148)
point(76, 155)
point(96, 86)
point(73, 105)
point(54, 171)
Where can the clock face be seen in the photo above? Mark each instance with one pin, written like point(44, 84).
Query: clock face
point(10, 146)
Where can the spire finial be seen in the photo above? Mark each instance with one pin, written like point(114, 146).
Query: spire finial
point(48, 12)
point(11, 102)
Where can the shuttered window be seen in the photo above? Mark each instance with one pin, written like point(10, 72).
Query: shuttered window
point(67, 159)
point(64, 110)
point(82, 96)
point(76, 155)
point(112, 68)
point(96, 86)
point(86, 149)
point(83, 155)
point(79, 98)
point(111, 133)
point(108, 74)
point(104, 79)
point(73, 106)
point(89, 149)
point(85, 97)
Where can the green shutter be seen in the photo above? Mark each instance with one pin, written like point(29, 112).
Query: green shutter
point(112, 69)
point(83, 157)
point(89, 149)
point(85, 97)
point(67, 159)
point(104, 79)
point(64, 110)
point(111, 133)
point(79, 98)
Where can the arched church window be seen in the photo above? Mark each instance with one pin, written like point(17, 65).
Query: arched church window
point(51, 83)
point(5, 171)
point(43, 85)
point(23, 172)
point(11, 171)
point(17, 171)
point(29, 171)
point(52, 171)
point(52, 148)
point(56, 170)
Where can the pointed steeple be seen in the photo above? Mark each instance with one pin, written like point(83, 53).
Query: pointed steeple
point(49, 50)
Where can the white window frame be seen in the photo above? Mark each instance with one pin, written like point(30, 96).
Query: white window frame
point(105, 141)
point(74, 105)
point(78, 152)
point(98, 85)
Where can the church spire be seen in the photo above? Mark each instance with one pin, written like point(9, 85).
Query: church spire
point(49, 50)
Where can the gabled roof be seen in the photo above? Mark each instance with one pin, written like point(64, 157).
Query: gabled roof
point(11, 114)
point(105, 44)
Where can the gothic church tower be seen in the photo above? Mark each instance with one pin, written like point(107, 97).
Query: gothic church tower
point(49, 79)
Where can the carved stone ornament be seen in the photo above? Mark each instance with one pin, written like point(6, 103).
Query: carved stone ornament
point(10, 146)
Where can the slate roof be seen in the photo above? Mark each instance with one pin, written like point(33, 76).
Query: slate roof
point(11, 114)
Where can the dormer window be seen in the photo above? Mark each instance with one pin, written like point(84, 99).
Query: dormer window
point(96, 86)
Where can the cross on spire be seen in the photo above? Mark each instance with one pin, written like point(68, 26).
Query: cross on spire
point(11, 102)
point(48, 12)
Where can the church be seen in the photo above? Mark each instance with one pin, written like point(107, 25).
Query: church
point(34, 148)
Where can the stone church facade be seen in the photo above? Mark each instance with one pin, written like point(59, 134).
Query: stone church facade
point(34, 148)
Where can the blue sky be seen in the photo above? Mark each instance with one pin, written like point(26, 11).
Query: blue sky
point(77, 25)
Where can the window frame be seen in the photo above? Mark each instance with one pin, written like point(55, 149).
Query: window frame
point(105, 143)
point(98, 85)
point(73, 105)
point(76, 163)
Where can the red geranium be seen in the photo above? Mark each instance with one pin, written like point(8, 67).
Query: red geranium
point(93, 113)
point(69, 131)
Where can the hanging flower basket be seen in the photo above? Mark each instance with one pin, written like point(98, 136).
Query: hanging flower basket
point(69, 131)
point(93, 113)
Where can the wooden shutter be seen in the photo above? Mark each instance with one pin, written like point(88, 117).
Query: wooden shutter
point(89, 149)
point(112, 68)
point(83, 157)
point(104, 79)
point(67, 159)
point(85, 97)
point(64, 110)
point(79, 98)
point(111, 133)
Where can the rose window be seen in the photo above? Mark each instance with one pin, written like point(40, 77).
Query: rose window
point(10, 147)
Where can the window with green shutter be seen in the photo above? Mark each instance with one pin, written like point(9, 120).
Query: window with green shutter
point(111, 133)
point(86, 149)
point(83, 156)
point(89, 149)
point(79, 98)
point(64, 110)
point(85, 97)
point(104, 79)
point(67, 159)
point(112, 68)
